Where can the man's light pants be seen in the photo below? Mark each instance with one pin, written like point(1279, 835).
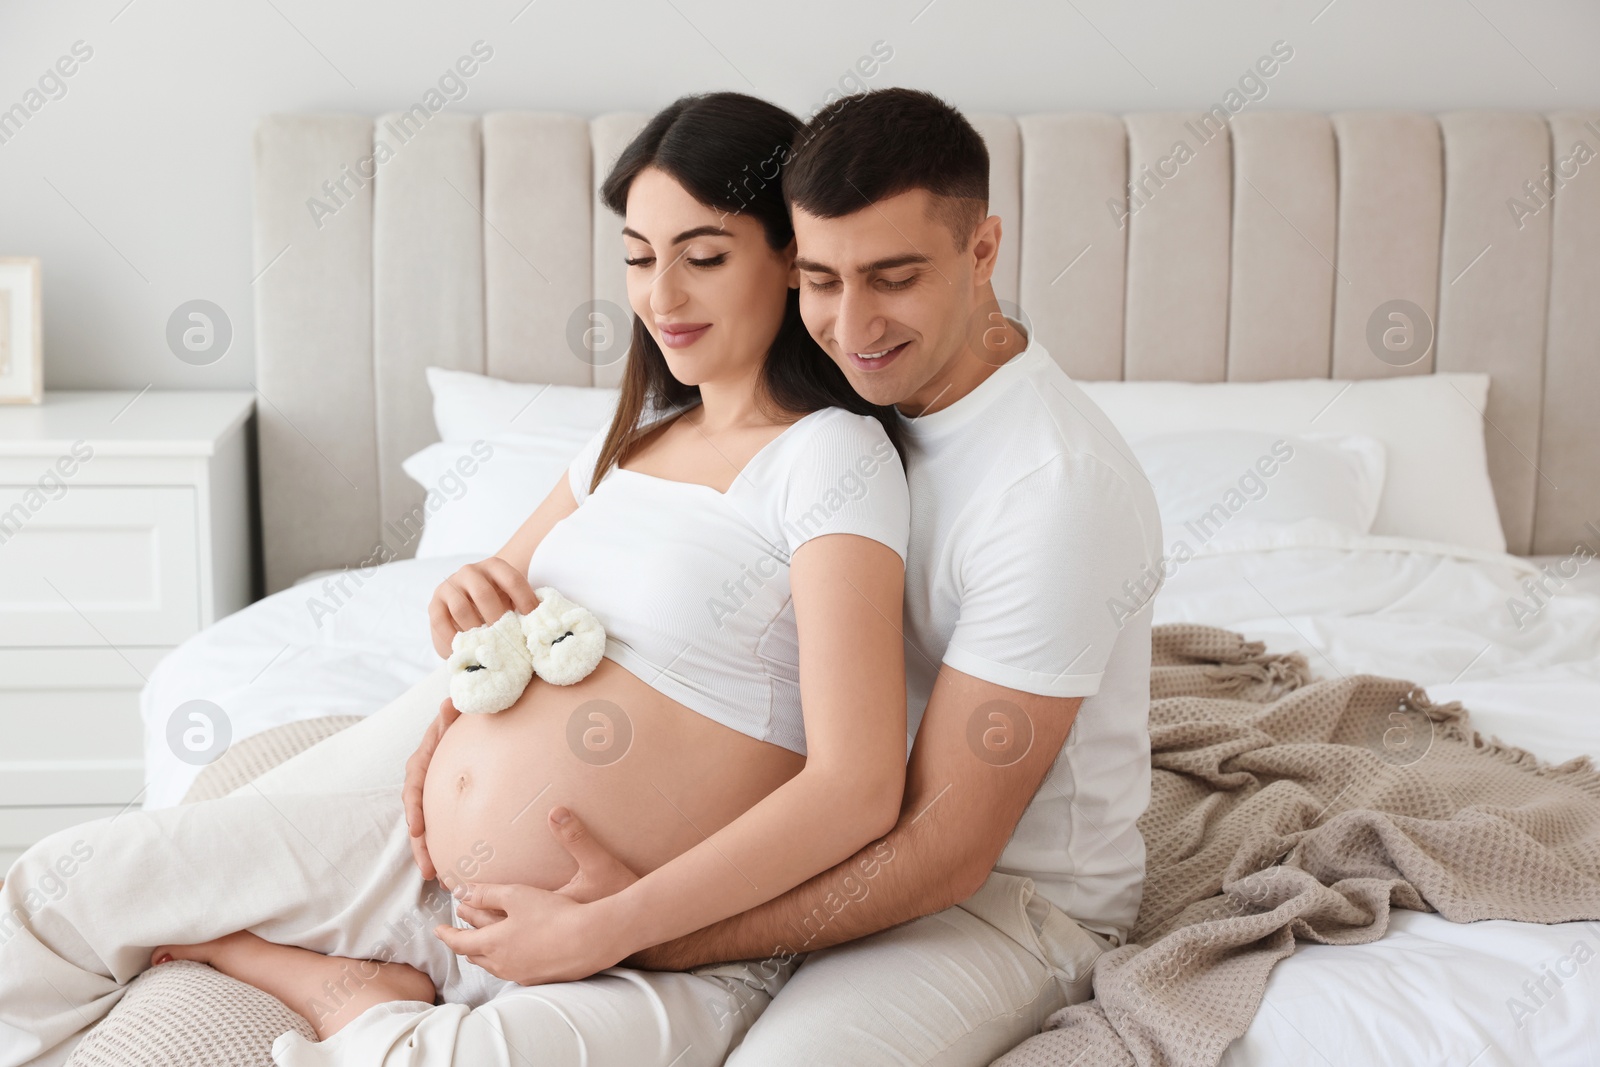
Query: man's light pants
point(957, 988)
point(297, 864)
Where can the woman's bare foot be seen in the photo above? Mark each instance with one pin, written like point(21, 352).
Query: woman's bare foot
point(328, 990)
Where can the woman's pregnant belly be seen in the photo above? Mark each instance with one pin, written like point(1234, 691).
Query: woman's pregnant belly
point(649, 777)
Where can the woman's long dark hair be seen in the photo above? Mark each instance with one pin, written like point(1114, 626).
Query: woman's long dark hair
point(727, 151)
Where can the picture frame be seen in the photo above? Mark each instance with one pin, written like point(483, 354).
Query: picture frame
point(21, 330)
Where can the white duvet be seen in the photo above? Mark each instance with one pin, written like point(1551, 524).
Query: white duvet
point(1525, 661)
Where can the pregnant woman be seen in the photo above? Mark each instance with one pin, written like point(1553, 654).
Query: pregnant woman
point(740, 531)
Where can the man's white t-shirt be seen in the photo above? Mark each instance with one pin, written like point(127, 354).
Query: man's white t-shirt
point(1035, 552)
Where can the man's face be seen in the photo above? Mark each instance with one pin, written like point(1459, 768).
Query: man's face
point(888, 296)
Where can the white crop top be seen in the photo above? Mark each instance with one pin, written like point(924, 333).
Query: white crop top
point(692, 585)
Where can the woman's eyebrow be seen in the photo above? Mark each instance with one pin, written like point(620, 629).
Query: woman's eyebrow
point(698, 231)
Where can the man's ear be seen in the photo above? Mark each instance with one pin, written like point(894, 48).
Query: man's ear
point(985, 249)
point(789, 253)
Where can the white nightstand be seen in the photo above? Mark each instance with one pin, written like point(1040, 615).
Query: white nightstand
point(124, 528)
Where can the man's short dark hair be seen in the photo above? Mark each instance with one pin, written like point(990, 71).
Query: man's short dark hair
point(871, 146)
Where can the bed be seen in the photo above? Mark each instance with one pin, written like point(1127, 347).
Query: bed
point(480, 248)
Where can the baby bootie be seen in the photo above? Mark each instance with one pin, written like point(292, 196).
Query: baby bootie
point(565, 640)
point(489, 666)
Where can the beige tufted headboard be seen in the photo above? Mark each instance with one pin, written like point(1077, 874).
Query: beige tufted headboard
point(1262, 251)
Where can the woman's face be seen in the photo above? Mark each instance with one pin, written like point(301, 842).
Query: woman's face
point(706, 283)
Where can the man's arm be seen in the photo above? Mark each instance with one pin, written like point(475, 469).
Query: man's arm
point(980, 754)
point(1058, 549)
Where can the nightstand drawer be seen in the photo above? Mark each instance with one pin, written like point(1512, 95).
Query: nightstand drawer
point(98, 565)
point(70, 731)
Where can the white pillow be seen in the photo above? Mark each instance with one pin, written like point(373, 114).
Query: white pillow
point(1437, 486)
point(479, 493)
point(469, 407)
point(1206, 481)
point(504, 446)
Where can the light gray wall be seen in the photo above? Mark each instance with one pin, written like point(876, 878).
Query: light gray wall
point(134, 186)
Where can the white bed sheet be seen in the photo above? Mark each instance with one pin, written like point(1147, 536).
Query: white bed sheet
point(1430, 992)
point(1411, 609)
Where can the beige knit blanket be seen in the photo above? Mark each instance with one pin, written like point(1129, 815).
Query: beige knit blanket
point(1286, 809)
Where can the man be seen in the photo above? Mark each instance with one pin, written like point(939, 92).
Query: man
point(1034, 553)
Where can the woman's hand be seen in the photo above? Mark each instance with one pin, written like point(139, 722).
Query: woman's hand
point(416, 774)
point(476, 595)
point(541, 936)
point(599, 874)
point(560, 952)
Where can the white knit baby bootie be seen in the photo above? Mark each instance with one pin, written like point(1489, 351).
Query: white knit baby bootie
point(565, 640)
point(490, 666)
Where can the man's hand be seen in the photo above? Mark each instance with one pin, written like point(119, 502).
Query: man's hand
point(416, 773)
point(599, 874)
